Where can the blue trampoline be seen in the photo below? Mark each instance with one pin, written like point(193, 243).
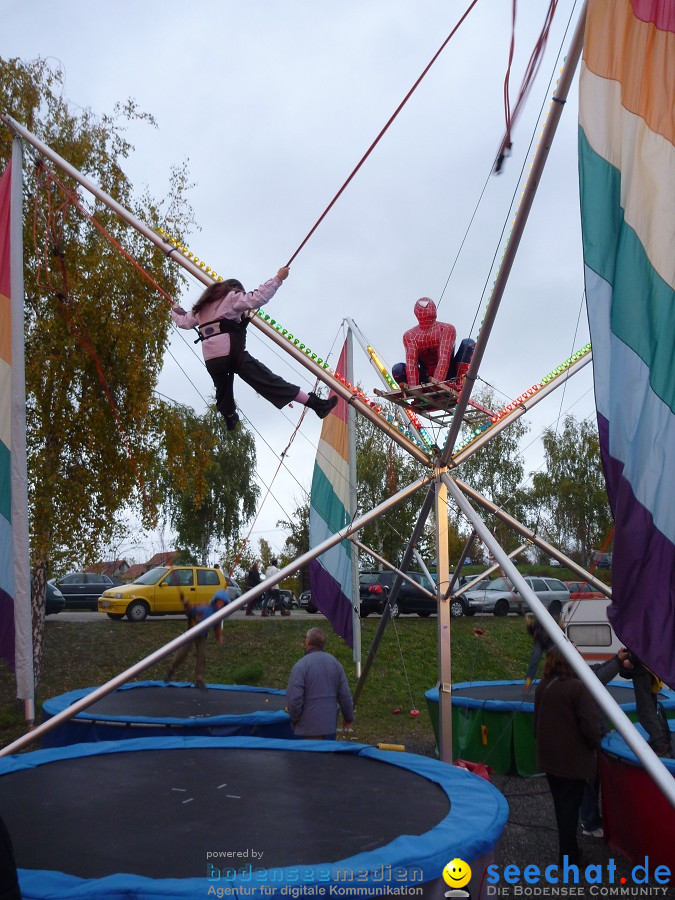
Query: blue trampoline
point(492, 721)
point(175, 817)
point(154, 708)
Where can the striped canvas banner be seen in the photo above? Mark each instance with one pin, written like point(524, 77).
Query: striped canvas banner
point(331, 574)
point(6, 540)
point(627, 180)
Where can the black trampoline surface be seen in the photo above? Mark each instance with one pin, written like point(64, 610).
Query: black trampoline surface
point(162, 811)
point(513, 692)
point(170, 701)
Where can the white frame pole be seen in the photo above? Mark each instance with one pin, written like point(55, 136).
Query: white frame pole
point(353, 508)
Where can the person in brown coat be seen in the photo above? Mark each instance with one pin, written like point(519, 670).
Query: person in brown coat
point(567, 727)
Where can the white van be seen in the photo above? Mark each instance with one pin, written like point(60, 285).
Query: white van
point(586, 624)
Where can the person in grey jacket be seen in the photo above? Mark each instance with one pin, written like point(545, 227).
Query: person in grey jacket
point(316, 687)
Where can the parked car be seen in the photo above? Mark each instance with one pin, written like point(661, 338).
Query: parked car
point(233, 589)
point(554, 563)
point(458, 605)
point(409, 599)
point(55, 601)
point(582, 590)
point(158, 592)
point(305, 602)
point(500, 597)
point(372, 594)
point(81, 590)
point(602, 560)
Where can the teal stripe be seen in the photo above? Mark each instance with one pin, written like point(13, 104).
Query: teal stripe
point(643, 304)
point(5, 483)
point(326, 502)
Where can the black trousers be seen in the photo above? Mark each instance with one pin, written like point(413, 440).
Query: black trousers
point(567, 795)
point(270, 386)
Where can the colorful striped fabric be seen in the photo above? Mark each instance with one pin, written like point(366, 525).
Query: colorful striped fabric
point(331, 574)
point(627, 175)
point(6, 541)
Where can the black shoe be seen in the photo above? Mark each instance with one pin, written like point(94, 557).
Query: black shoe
point(231, 421)
point(320, 406)
point(200, 685)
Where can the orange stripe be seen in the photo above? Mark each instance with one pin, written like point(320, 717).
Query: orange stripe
point(5, 329)
point(639, 56)
point(335, 433)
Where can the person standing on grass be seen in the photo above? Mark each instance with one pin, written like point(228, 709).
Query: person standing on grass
point(316, 688)
point(195, 615)
point(253, 579)
point(567, 728)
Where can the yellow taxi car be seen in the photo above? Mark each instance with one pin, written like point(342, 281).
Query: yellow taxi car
point(158, 592)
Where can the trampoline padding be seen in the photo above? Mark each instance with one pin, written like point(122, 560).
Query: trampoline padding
point(156, 808)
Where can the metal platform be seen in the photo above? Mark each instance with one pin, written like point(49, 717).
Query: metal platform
point(436, 401)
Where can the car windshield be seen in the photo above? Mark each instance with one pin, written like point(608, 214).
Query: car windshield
point(499, 584)
point(152, 576)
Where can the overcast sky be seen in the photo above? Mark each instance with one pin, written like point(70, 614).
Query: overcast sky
point(272, 104)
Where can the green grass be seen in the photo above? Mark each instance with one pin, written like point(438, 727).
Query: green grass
point(80, 655)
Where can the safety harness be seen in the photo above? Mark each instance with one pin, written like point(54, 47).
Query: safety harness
point(236, 330)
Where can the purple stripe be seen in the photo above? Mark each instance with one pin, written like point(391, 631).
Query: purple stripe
point(327, 595)
point(7, 629)
point(642, 611)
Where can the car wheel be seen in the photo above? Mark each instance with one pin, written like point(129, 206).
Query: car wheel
point(554, 608)
point(424, 615)
point(501, 607)
point(457, 608)
point(364, 613)
point(395, 612)
point(312, 609)
point(115, 616)
point(137, 611)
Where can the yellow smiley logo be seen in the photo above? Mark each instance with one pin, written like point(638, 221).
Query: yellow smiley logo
point(457, 873)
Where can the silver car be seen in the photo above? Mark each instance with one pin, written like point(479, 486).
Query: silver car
point(500, 597)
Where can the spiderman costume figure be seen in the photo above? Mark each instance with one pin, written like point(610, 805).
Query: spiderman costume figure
point(429, 348)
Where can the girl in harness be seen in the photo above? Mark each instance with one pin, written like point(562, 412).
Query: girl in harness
point(219, 317)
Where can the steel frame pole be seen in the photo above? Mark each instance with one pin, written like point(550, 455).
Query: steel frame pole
point(607, 703)
point(444, 634)
point(304, 360)
point(202, 627)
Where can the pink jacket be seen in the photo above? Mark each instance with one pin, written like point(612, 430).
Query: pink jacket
point(231, 306)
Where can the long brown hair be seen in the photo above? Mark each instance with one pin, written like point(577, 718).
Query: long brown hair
point(217, 291)
point(556, 666)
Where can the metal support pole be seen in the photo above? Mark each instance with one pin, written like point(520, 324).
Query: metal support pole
point(444, 648)
point(304, 360)
point(202, 627)
point(563, 87)
point(604, 699)
point(534, 539)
